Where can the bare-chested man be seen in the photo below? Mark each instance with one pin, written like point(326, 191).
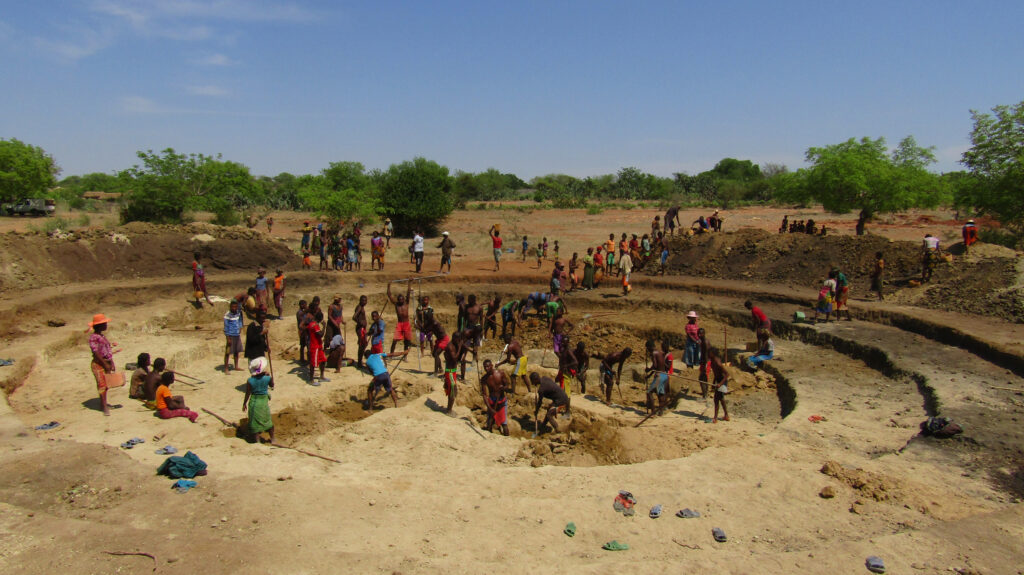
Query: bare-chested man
point(659, 381)
point(490, 316)
point(492, 387)
point(583, 360)
point(610, 376)
point(403, 328)
point(560, 328)
point(474, 323)
point(454, 353)
point(548, 389)
point(359, 318)
point(515, 357)
point(442, 340)
point(567, 366)
point(335, 318)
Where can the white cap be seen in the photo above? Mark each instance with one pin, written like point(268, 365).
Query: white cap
point(444, 233)
point(257, 366)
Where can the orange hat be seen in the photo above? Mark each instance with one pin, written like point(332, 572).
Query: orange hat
point(98, 319)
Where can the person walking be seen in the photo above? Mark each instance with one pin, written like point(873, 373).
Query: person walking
point(446, 245)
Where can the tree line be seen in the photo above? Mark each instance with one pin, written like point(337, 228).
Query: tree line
point(861, 175)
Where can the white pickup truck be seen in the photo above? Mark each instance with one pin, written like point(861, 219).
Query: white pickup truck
point(31, 207)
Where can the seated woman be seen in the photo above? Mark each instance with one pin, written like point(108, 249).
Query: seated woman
point(168, 406)
point(135, 390)
point(766, 352)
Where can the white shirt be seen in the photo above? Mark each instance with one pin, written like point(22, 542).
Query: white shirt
point(417, 243)
point(626, 263)
point(932, 243)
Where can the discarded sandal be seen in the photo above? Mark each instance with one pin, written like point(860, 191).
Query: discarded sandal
point(719, 535)
point(615, 546)
point(875, 564)
point(687, 513)
point(570, 529)
point(656, 511)
point(166, 450)
point(47, 426)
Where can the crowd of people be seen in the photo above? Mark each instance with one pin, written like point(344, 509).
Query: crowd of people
point(323, 333)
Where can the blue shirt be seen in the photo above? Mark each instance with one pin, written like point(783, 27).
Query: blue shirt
point(260, 384)
point(378, 332)
point(233, 323)
point(376, 364)
point(261, 283)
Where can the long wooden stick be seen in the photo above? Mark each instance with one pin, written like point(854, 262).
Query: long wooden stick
point(1006, 388)
point(196, 379)
point(138, 553)
point(304, 452)
point(221, 419)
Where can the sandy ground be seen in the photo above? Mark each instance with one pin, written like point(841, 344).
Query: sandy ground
point(419, 491)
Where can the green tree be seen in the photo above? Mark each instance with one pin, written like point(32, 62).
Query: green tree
point(416, 195)
point(862, 175)
point(169, 183)
point(26, 171)
point(736, 170)
point(318, 194)
point(996, 163)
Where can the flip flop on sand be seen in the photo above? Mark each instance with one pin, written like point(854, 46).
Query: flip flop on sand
point(47, 426)
point(875, 564)
point(166, 450)
point(656, 511)
point(687, 513)
point(570, 529)
point(719, 535)
point(615, 546)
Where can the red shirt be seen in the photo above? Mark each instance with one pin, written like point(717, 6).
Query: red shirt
point(496, 241)
point(598, 259)
point(758, 314)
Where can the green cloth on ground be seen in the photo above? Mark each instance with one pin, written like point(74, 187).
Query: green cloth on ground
point(259, 414)
point(615, 546)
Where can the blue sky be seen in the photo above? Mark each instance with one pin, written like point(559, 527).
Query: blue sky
point(583, 87)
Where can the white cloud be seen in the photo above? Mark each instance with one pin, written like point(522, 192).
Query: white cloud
point(208, 90)
point(75, 43)
point(215, 60)
point(140, 105)
point(147, 13)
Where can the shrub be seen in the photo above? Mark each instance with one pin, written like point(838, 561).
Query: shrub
point(594, 209)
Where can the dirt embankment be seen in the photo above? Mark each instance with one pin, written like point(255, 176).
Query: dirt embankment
point(985, 282)
point(34, 260)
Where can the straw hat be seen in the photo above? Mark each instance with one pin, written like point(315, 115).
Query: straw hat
point(970, 221)
point(98, 319)
point(692, 314)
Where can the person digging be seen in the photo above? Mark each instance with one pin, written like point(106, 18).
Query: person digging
point(548, 389)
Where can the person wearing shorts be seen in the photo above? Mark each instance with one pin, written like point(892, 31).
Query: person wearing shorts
point(377, 333)
point(376, 362)
point(496, 245)
point(548, 389)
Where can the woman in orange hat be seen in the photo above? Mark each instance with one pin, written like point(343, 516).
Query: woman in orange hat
point(102, 357)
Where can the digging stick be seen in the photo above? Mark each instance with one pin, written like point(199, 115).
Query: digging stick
point(1006, 388)
point(221, 419)
point(725, 342)
point(189, 376)
point(270, 356)
point(397, 364)
point(304, 452)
